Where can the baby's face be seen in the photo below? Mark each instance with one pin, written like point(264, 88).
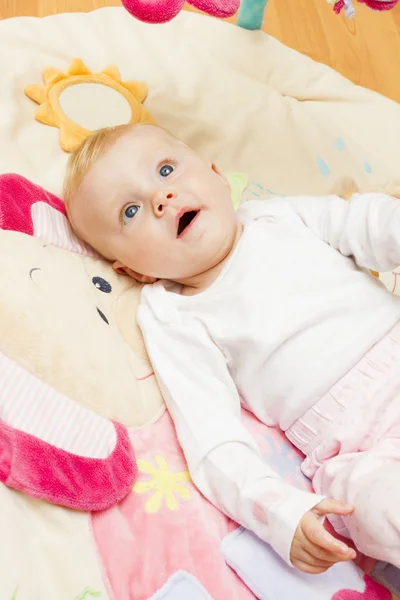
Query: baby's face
point(154, 206)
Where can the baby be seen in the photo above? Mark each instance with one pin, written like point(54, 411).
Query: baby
point(271, 308)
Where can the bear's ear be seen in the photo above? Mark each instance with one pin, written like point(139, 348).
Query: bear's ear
point(28, 208)
point(56, 450)
point(52, 227)
point(17, 197)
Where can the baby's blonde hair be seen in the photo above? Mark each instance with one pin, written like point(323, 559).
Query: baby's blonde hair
point(84, 157)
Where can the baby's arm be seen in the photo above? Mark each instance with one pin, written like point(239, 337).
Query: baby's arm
point(223, 459)
point(366, 227)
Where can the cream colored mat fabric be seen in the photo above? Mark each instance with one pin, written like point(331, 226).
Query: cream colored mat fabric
point(240, 97)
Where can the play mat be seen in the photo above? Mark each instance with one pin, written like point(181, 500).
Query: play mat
point(76, 382)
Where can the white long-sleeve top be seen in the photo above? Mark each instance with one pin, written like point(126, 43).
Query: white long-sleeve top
point(289, 315)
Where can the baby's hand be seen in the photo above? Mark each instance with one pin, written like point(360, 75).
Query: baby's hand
point(313, 549)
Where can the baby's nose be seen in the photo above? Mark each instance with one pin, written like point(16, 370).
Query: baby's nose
point(161, 199)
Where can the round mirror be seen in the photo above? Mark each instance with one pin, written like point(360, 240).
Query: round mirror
point(94, 106)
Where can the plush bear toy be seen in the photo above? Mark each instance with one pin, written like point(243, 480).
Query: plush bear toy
point(51, 447)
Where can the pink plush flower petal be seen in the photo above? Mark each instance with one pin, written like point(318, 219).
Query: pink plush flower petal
point(153, 11)
point(217, 8)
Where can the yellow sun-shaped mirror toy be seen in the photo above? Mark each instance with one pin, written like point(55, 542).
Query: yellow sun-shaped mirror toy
point(79, 101)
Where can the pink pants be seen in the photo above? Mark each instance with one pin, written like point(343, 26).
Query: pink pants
point(351, 439)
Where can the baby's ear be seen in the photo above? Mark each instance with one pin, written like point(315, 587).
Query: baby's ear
point(123, 270)
point(218, 172)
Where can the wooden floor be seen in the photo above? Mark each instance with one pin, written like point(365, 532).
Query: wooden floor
point(366, 50)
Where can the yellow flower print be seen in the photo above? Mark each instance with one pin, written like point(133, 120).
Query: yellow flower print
point(163, 483)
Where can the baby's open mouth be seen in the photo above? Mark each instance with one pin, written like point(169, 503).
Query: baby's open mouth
point(185, 220)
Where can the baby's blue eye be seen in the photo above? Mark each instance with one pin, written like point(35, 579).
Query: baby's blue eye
point(166, 170)
point(130, 212)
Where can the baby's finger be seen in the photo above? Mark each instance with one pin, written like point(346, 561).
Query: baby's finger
point(325, 555)
point(310, 569)
point(332, 507)
point(315, 533)
point(302, 555)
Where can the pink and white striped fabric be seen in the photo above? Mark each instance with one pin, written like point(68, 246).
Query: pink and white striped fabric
point(30, 405)
point(53, 227)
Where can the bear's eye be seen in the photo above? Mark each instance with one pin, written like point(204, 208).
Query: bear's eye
point(102, 285)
